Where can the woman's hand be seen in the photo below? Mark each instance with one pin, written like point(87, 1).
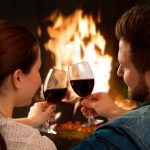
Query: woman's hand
point(40, 112)
point(101, 104)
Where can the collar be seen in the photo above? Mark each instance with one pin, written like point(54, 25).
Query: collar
point(147, 102)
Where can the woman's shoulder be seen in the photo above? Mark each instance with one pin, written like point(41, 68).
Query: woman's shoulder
point(21, 136)
point(14, 127)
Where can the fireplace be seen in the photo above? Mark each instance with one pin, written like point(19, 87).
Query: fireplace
point(84, 30)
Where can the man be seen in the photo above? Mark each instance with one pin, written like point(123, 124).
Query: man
point(131, 130)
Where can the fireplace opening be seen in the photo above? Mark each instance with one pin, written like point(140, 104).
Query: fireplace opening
point(84, 32)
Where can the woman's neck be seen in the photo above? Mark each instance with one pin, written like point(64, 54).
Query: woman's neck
point(6, 106)
point(7, 97)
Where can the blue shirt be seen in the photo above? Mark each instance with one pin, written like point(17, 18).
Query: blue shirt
point(130, 131)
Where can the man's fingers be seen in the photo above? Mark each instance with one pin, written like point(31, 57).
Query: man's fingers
point(88, 103)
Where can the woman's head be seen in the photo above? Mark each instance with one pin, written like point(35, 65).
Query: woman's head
point(134, 28)
point(17, 49)
point(19, 63)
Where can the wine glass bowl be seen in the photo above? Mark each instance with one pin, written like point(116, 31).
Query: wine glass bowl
point(55, 86)
point(82, 87)
point(54, 96)
point(82, 82)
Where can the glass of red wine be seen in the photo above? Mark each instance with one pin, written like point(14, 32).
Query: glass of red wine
point(82, 82)
point(55, 88)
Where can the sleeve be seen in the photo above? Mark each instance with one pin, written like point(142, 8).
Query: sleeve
point(107, 139)
point(94, 145)
point(36, 141)
point(20, 136)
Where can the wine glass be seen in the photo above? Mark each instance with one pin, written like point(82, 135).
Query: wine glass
point(54, 89)
point(82, 82)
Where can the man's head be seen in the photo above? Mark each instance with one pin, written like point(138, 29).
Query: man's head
point(134, 27)
point(133, 33)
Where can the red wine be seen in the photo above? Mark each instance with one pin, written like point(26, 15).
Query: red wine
point(55, 95)
point(82, 87)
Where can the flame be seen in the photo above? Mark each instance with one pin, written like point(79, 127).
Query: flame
point(74, 38)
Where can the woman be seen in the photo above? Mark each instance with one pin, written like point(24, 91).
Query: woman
point(19, 80)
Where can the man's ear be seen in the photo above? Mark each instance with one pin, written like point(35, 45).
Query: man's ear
point(16, 78)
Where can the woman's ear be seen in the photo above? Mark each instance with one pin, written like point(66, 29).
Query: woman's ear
point(16, 78)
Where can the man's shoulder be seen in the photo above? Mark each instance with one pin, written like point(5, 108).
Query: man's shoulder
point(117, 136)
point(105, 138)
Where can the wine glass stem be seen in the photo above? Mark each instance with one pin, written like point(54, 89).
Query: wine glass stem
point(91, 120)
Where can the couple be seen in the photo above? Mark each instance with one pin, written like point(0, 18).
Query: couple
point(20, 78)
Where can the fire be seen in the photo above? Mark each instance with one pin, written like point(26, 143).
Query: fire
point(74, 38)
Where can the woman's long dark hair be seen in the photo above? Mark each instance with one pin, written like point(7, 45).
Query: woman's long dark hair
point(17, 49)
